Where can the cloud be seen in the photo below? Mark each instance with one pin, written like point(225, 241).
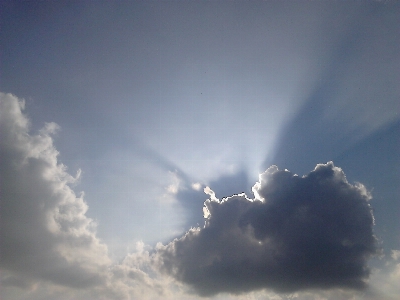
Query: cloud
point(45, 233)
point(385, 280)
point(49, 248)
point(298, 233)
point(191, 196)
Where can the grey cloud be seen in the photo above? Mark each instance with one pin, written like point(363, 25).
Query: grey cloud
point(299, 233)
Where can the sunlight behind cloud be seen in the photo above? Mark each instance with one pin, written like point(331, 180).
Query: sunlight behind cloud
point(75, 263)
point(168, 114)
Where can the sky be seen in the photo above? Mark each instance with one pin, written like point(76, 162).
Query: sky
point(199, 150)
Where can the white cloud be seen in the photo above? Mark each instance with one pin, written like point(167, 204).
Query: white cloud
point(45, 232)
point(211, 193)
point(196, 186)
point(49, 248)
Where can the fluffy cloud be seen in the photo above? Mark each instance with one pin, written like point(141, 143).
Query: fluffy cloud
point(299, 233)
point(45, 233)
point(48, 247)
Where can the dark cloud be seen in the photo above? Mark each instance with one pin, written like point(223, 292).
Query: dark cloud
point(310, 232)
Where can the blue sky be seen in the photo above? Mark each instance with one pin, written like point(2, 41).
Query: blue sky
point(142, 105)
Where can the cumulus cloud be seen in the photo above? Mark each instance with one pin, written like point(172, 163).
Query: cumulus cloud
point(48, 247)
point(298, 233)
point(45, 233)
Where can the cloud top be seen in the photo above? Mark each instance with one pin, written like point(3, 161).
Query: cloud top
point(310, 232)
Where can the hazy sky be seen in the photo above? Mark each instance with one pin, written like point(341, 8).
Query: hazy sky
point(119, 119)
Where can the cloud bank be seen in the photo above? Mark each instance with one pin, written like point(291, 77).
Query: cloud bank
point(298, 233)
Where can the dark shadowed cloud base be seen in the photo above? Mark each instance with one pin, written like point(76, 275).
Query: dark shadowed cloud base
point(310, 232)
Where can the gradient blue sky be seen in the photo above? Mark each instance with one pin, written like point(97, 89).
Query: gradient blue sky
point(154, 97)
